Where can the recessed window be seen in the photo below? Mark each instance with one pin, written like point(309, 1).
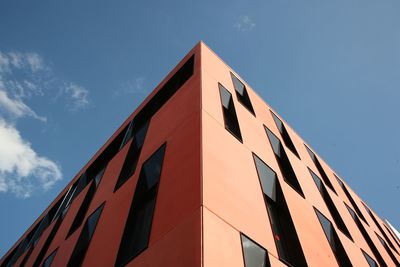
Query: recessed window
point(132, 157)
point(320, 169)
point(254, 255)
point(283, 161)
point(284, 232)
point(370, 260)
point(379, 227)
point(393, 236)
point(366, 236)
point(350, 198)
point(330, 205)
point(333, 239)
point(285, 135)
point(49, 260)
point(392, 256)
point(228, 108)
point(241, 94)
point(86, 235)
point(137, 230)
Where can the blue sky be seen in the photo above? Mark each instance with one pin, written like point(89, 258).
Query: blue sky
point(72, 71)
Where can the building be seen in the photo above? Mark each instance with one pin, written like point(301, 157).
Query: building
point(205, 173)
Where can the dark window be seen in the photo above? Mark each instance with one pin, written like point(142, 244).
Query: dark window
point(392, 256)
point(285, 135)
point(333, 240)
point(366, 237)
point(131, 159)
point(320, 169)
point(228, 108)
point(331, 205)
point(136, 234)
point(283, 161)
point(284, 232)
point(241, 94)
point(84, 238)
point(393, 236)
point(49, 260)
point(254, 255)
point(370, 260)
point(379, 227)
point(349, 197)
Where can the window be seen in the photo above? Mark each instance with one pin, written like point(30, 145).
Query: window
point(254, 255)
point(331, 205)
point(392, 256)
point(393, 236)
point(379, 227)
point(228, 108)
point(320, 169)
point(138, 225)
point(241, 94)
point(284, 232)
point(285, 135)
point(370, 260)
point(283, 161)
point(353, 203)
point(366, 237)
point(129, 166)
point(84, 238)
point(333, 240)
point(49, 260)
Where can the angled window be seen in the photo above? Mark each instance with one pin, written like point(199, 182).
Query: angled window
point(284, 232)
point(285, 135)
point(379, 227)
point(49, 260)
point(228, 108)
point(350, 198)
point(241, 94)
point(137, 230)
point(84, 238)
point(320, 169)
point(254, 255)
point(283, 161)
point(388, 250)
point(330, 205)
point(391, 233)
point(366, 237)
point(131, 159)
point(333, 239)
point(370, 260)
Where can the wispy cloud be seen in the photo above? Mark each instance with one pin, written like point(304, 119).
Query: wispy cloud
point(135, 86)
point(244, 24)
point(22, 170)
point(77, 96)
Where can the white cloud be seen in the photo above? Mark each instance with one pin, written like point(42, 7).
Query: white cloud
point(19, 60)
point(136, 86)
point(22, 170)
point(245, 24)
point(77, 95)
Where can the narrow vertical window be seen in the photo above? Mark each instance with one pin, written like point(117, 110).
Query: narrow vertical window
point(392, 256)
point(320, 169)
point(330, 205)
point(366, 237)
point(86, 235)
point(379, 227)
point(334, 241)
point(131, 159)
point(228, 108)
point(49, 260)
point(350, 198)
point(285, 135)
point(137, 230)
point(283, 161)
point(241, 94)
point(284, 232)
point(254, 255)
point(371, 261)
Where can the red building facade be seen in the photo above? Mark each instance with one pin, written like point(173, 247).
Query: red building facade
point(205, 173)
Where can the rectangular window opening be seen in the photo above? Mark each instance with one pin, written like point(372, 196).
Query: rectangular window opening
point(392, 256)
point(370, 260)
point(285, 135)
point(253, 254)
point(283, 161)
point(242, 94)
point(229, 112)
point(49, 260)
